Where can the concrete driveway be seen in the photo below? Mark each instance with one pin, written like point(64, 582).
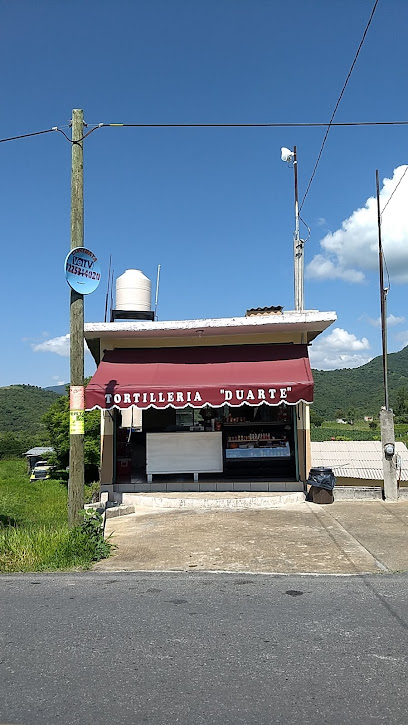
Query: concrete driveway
point(342, 538)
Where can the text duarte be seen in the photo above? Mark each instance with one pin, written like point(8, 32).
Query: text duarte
point(191, 396)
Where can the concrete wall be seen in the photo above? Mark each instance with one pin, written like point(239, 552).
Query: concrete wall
point(110, 343)
point(346, 481)
point(107, 447)
point(302, 412)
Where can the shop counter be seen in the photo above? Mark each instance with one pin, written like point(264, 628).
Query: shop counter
point(183, 452)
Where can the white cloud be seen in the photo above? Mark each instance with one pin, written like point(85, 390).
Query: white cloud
point(57, 345)
point(392, 320)
point(339, 349)
point(402, 337)
point(57, 380)
point(353, 249)
point(322, 267)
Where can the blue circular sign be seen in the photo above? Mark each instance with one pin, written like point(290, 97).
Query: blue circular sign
point(82, 270)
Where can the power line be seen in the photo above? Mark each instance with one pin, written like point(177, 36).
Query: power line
point(252, 125)
point(382, 212)
point(27, 135)
point(238, 125)
point(395, 189)
point(338, 103)
point(208, 125)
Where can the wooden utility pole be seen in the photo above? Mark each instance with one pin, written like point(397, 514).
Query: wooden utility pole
point(76, 439)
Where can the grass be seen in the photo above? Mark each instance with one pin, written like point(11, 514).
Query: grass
point(34, 533)
point(359, 431)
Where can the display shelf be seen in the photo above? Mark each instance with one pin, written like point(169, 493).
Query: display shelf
point(256, 440)
point(257, 424)
point(276, 452)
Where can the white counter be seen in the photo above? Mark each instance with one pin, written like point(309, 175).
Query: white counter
point(183, 452)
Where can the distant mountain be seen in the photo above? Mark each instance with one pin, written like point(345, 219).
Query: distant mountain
point(360, 388)
point(22, 407)
point(59, 389)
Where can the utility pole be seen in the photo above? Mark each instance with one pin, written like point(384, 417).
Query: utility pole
point(76, 439)
point(298, 246)
point(386, 414)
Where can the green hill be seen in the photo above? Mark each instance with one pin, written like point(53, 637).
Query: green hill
point(22, 407)
point(60, 389)
point(360, 388)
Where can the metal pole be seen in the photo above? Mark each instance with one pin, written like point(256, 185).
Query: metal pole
point(382, 298)
point(157, 291)
point(107, 289)
point(386, 414)
point(297, 245)
point(76, 438)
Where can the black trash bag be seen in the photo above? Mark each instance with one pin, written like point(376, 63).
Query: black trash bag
point(322, 477)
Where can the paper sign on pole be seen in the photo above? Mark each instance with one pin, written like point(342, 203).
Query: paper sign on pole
point(76, 422)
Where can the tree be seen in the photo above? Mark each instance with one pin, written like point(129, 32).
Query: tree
point(400, 403)
point(316, 419)
point(56, 420)
point(351, 414)
point(15, 444)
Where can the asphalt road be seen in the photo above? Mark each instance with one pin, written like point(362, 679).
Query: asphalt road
point(195, 648)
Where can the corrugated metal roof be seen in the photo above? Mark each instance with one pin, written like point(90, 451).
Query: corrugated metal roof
point(274, 309)
point(39, 451)
point(357, 459)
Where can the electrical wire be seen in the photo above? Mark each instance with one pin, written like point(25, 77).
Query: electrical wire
point(254, 125)
point(382, 212)
point(308, 230)
point(27, 135)
point(337, 104)
point(387, 289)
point(395, 189)
point(207, 125)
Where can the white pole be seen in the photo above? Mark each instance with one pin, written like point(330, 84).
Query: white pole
point(298, 246)
point(157, 291)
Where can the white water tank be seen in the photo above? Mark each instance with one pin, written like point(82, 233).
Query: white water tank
point(133, 291)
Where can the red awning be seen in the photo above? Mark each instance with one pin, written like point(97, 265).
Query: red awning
point(197, 376)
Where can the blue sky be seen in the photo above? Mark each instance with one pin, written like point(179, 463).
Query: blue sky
point(213, 206)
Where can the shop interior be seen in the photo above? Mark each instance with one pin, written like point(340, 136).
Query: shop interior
point(257, 441)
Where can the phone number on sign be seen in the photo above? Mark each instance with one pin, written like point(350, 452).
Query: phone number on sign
point(83, 272)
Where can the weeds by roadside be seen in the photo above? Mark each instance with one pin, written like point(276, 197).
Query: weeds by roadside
point(34, 533)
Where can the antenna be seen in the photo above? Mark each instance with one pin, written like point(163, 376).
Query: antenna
point(111, 295)
point(107, 288)
point(157, 291)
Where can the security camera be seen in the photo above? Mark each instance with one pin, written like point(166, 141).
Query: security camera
point(287, 154)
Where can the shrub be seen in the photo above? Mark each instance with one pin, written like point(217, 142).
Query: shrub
point(87, 539)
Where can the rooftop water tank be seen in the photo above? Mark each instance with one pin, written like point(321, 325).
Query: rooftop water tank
point(133, 291)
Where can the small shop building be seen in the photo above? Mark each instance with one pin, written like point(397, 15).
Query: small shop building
point(203, 405)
